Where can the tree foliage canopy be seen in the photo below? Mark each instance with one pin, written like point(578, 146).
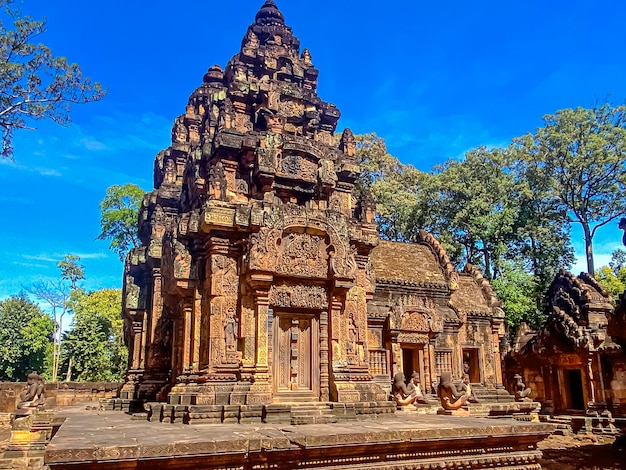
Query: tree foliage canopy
point(71, 270)
point(393, 185)
point(471, 207)
point(25, 337)
point(583, 154)
point(509, 211)
point(119, 212)
point(94, 348)
point(34, 83)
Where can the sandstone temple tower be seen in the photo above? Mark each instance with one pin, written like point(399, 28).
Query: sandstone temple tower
point(256, 281)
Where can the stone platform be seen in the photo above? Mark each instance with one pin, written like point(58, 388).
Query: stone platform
point(112, 440)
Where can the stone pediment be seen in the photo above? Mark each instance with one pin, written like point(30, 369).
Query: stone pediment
point(416, 314)
point(396, 262)
point(302, 254)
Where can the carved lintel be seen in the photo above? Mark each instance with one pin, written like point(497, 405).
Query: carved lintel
point(301, 296)
point(217, 216)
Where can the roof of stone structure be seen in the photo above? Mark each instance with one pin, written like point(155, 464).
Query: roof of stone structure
point(578, 311)
point(469, 297)
point(260, 115)
point(579, 298)
point(406, 263)
point(269, 14)
point(474, 294)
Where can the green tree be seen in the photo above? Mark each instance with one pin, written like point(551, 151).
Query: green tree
point(614, 283)
point(618, 260)
point(470, 207)
point(517, 289)
point(71, 270)
point(583, 151)
point(25, 334)
point(34, 83)
point(119, 217)
point(543, 244)
point(94, 347)
point(393, 185)
point(56, 295)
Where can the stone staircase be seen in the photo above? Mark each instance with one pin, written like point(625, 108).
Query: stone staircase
point(312, 413)
point(492, 395)
point(273, 413)
point(27, 444)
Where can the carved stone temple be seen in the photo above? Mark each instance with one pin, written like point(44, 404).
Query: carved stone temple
point(261, 279)
point(574, 363)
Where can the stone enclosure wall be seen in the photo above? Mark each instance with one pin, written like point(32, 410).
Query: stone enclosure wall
point(58, 393)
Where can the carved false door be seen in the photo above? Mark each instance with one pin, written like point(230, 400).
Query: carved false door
point(296, 357)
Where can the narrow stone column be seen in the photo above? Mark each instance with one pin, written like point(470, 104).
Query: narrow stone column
point(197, 321)
point(261, 301)
point(433, 367)
point(337, 354)
point(187, 335)
point(592, 387)
point(495, 328)
point(156, 305)
point(144, 333)
point(324, 354)
point(138, 352)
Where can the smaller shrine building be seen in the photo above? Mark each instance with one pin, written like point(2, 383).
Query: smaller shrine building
point(574, 363)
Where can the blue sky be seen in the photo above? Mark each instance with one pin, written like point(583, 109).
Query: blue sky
point(435, 79)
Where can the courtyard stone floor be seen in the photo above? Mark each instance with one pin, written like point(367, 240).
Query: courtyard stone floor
point(89, 435)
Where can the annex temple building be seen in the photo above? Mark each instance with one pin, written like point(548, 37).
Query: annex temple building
point(261, 279)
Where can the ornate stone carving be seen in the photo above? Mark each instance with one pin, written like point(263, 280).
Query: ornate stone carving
point(366, 207)
point(298, 296)
point(34, 395)
point(296, 167)
point(413, 313)
point(327, 173)
point(303, 255)
point(521, 392)
point(134, 300)
point(230, 330)
point(415, 321)
point(407, 394)
point(451, 398)
point(413, 338)
point(224, 276)
point(342, 261)
point(217, 182)
point(179, 132)
point(183, 268)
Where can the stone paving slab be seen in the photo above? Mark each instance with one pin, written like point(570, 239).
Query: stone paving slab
point(98, 436)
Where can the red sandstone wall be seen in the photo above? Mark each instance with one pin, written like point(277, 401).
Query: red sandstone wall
point(58, 393)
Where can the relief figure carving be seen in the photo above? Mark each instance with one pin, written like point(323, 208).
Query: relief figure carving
point(303, 255)
point(230, 331)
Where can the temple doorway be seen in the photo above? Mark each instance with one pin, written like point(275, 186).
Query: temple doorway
point(413, 360)
point(471, 364)
point(575, 399)
point(296, 357)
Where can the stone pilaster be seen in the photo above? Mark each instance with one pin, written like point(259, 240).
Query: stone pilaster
point(324, 358)
point(261, 390)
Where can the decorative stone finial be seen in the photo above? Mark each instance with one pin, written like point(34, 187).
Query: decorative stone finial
point(306, 57)
point(214, 74)
point(269, 13)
